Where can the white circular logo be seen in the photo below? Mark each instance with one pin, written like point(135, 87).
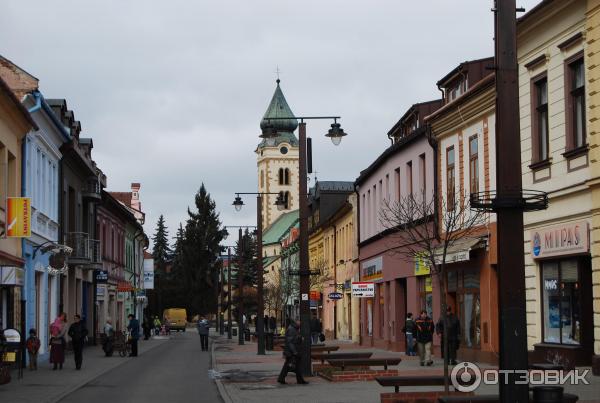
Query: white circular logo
point(465, 377)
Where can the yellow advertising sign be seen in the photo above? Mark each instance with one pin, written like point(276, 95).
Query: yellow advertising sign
point(422, 265)
point(18, 217)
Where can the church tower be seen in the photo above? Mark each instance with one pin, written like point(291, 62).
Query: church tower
point(278, 163)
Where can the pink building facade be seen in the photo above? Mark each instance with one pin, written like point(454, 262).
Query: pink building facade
point(406, 167)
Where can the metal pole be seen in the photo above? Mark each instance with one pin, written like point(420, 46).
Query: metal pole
point(260, 310)
point(221, 303)
point(229, 299)
point(240, 289)
point(304, 269)
point(511, 266)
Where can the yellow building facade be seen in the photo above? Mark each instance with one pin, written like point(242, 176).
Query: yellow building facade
point(15, 123)
point(557, 55)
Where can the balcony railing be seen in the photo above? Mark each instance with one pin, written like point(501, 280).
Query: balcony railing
point(78, 241)
point(95, 252)
point(92, 189)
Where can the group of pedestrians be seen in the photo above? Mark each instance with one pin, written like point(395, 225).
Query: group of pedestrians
point(420, 332)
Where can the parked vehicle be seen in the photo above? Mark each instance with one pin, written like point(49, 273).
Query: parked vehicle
point(175, 318)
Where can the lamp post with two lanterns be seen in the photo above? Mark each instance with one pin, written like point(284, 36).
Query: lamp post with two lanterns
point(336, 133)
point(238, 203)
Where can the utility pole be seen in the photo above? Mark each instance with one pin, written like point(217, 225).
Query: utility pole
point(240, 275)
point(260, 310)
point(229, 296)
point(511, 265)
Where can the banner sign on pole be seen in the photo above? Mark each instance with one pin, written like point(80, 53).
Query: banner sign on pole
point(18, 217)
point(149, 274)
point(101, 276)
point(363, 289)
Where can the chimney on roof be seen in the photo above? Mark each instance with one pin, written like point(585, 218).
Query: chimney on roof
point(135, 196)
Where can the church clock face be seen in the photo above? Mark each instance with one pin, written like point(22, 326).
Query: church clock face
point(283, 150)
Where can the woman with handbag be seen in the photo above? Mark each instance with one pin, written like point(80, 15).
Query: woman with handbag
point(58, 329)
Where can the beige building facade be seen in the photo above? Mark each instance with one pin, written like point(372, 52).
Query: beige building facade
point(558, 156)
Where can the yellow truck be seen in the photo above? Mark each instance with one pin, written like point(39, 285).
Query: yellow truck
point(175, 318)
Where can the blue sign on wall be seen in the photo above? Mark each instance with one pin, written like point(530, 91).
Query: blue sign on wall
point(335, 295)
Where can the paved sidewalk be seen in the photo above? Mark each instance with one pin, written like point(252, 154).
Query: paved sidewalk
point(46, 385)
point(244, 376)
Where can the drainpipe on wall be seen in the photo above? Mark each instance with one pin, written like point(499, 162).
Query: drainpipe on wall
point(360, 328)
point(335, 281)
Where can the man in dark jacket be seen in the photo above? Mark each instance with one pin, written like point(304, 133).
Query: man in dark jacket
point(203, 330)
point(315, 329)
point(292, 352)
point(78, 333)
point(134, 334)
point(424, 334)
point(409, 332)
point(453, 334)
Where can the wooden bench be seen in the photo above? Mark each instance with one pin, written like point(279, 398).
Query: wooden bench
point(363, 362)
point(411, 380)
point(342, 356)
point(326, 349)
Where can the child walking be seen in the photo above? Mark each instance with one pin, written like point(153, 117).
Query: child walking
point(33, 347)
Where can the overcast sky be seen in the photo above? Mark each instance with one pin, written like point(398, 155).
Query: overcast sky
point(172, 92)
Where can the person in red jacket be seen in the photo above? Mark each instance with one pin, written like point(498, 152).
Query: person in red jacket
point(33, 347)
point(424, 335)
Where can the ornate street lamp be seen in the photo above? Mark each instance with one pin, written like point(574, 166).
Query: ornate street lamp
point(336, 133)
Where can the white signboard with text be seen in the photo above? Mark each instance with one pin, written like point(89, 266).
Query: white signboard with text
point(363, 289)
point(148, 274)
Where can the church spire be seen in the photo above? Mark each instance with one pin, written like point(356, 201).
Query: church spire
point(279, 108)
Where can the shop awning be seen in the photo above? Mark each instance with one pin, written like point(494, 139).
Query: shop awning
point(12, 275)
point(459, 250)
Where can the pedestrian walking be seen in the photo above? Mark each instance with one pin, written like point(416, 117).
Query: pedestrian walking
point(315, 329)
point(157, 326)
point(134, 334)
point(147, 327)
point(424, 335)
point(203, 329)
point(409, 331)
point(33, 347)
point(58, 330)
point(292, 351)
point(266, 323)
point(453, 337)
point(272, 324)
point(78, 333)
point(109, 338)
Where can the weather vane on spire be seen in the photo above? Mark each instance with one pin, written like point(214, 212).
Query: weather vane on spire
point(277, 71)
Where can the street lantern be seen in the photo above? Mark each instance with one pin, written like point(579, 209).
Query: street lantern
point(280, 202)
point(269, 133)
point(225, 233)
point(238, 203)
point(336, 133)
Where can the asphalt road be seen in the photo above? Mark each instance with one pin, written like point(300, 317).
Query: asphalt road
point(176, 371)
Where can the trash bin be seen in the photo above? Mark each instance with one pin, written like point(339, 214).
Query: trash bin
point(234, 331)
point(269, 341)
point(247, 334)
point(548, 394)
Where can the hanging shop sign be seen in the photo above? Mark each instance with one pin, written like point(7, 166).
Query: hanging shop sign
point(100, 291)
point(149, 274)
point(124, 286)
point(315, 295)
point(372, 270)
point(10, 275)
point(335, 295)
point(421, 265)
point(363, 289)
point(566, 239)
point(101, 276)
point(18, 217)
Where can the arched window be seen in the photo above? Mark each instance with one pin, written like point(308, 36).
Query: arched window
point(286, 177)
point(287, 200)
point(281, 176)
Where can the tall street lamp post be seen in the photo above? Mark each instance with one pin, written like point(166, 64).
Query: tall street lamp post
point(260, 310)
point(240, 282)
point(336, 133)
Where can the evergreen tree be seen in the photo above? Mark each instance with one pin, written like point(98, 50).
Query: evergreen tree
point(196, 263)
point(161, 254)
point(245, 255)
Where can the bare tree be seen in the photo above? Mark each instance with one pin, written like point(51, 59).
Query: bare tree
point(426, 228)
point(322, 275)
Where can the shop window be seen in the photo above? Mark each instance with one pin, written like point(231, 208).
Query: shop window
point(463, 287)
point(561, 297)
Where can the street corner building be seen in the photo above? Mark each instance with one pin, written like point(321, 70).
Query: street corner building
point(558, 53)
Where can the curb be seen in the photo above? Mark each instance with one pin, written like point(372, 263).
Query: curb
point(58, 398)
point(222, 390)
